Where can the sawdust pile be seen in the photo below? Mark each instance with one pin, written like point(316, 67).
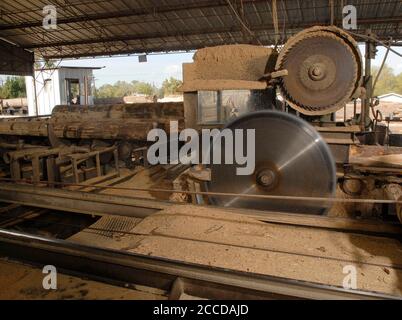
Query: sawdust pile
point(237, 62)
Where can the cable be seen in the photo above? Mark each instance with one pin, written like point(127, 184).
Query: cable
point(242, 22)
point(275, 21)
point(218, 194)
point(381, 67)
point(378, 114)
point(375, 40)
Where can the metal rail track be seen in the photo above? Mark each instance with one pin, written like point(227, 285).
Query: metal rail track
point(80, 202)
point(198, 280)
point(103, 204)
point(208, 193)
point(127, 267)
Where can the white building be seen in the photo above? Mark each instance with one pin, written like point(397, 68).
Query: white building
point(172, 98)
point(391, 97)
point(61, 85)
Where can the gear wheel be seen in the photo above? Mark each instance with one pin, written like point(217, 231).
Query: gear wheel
point(324, 70)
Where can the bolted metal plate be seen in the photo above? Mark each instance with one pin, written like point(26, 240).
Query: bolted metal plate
point(291, 159)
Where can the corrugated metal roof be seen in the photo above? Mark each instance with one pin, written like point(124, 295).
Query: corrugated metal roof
point(101, 27)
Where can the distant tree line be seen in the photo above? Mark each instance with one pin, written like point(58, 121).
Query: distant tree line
point(388, 81)
point(13, 87)
point(123, 88)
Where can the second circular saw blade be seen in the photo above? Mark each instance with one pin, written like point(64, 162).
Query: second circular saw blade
point(291, 159)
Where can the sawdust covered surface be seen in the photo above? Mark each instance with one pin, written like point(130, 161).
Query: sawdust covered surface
point(22, 282)
point(220, 239)
point(240, 62)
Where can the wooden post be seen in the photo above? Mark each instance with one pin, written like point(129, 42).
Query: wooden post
point(116, 160)
point(15, 169)
point(51, 170)
point(75, 170)
point(35, 169)
point(98, 165)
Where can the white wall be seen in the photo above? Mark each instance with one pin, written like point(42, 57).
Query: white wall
point(51, 88)
point(80, 74)
point(391, 98)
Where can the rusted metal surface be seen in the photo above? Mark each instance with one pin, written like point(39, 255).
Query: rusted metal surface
point(317, 83)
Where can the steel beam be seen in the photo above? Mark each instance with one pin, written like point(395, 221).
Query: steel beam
point(79, 202)
point(186, 33)
point(103, 204)
point(127, 13)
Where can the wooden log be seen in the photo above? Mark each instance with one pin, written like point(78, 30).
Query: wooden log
point(122, 121)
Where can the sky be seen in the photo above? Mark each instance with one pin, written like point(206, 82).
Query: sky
point(393, 60)
point(162, 66)
point(154, 71)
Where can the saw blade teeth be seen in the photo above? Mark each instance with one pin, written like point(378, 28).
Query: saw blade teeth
point(335, 34)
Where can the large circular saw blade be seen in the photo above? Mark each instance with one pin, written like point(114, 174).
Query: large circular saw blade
point(291, 159)
point(324, 70)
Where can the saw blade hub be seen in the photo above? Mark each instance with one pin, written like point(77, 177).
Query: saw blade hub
point(266, 178)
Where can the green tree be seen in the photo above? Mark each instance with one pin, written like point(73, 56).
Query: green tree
point(144, 88)
point(171, 86)
point(13, 87)
point(387, 82)
point(106, 91)
point(123, 88)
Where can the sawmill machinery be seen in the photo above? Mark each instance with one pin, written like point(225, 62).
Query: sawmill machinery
point(304, 157)
point(324, 70)
point(302, 150)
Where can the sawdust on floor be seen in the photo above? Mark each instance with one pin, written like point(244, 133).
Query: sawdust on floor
point(217, 238)
point(23, 282)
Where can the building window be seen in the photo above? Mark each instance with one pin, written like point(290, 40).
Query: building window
point(219, 107)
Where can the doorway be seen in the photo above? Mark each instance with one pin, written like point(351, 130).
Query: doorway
point(73, 91)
